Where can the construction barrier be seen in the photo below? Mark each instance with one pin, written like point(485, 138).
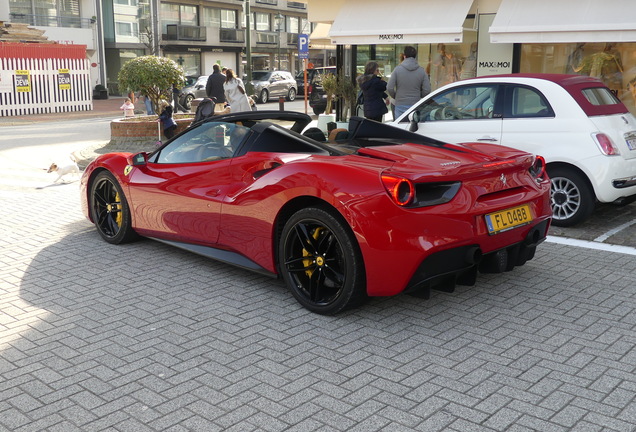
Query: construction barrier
point(43, 78)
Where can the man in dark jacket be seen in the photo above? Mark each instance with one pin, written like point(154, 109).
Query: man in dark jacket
point(214, 87)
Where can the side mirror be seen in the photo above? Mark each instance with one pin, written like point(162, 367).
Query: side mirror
point(140, 159)
point(414, 119)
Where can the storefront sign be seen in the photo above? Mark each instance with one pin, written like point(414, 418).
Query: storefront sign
point(22, 81)
point(391, 37)
point(64, 79)
point(492, 58)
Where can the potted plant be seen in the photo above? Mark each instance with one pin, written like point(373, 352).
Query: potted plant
point(348, 93)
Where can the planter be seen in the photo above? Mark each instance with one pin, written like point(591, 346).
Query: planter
point(100, 94)
point(141, 133)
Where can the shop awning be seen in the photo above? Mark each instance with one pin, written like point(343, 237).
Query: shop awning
point(319, 38)
point(361, 22)
point(564, 21)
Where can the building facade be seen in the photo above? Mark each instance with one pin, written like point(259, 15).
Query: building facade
point(468, 38)
point(194, 33)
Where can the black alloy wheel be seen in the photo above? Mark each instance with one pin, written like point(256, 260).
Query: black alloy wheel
point(109, 209)
point(321, 262)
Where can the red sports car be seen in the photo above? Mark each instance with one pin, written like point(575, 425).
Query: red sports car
point(381, 212)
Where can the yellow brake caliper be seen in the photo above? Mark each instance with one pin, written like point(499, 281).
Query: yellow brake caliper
point(308, 262)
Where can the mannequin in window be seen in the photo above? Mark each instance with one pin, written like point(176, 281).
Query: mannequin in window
point(444, 68)
point(469, 67)
point(575, 60)
point(606, 65)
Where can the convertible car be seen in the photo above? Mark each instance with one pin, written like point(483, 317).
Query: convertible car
point(380, 211)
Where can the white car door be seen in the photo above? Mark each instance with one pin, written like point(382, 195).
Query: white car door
point(467, 113)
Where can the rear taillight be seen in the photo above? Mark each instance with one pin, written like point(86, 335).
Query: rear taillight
point(401, 190)
point(537, 170)
point(605, 144)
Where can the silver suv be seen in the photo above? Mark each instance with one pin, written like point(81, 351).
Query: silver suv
point(268, 84)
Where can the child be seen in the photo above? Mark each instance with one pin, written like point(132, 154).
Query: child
point(128, 108)
point(169, 125)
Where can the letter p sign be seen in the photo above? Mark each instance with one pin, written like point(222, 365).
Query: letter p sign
point(303, 46)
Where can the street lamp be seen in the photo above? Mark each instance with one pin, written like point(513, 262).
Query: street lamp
point(279, 20)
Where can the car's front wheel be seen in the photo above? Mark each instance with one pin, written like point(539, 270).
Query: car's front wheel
point(572, 197)
point(264, 96)
point(109, 209)
point(321, 262)
point(291, 96)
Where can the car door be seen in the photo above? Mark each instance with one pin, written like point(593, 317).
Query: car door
point(178, 193)
point(467, 113)
point(277, 85)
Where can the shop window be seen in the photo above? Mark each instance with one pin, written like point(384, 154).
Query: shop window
point(613, 63)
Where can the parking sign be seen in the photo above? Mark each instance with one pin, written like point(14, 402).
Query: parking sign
point(303, 46)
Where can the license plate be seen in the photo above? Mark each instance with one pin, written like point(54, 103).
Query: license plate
point(631, 143)
point(507, 219)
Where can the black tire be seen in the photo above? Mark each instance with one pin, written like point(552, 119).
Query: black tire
point(187, 102)
point(572, 197)
point(291, 96)
point(264, 96)
point(321, 262)
point(109, 210)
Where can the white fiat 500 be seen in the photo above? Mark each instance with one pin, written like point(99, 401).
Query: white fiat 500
point(585, 133)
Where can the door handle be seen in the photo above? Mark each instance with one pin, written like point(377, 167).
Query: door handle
point(489, 139)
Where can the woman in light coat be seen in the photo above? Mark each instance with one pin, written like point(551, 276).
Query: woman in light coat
point(235, 93)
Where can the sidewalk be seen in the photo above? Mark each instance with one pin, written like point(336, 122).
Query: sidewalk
point(101, 108)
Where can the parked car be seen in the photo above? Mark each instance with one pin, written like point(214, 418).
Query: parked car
point(269, 84)
point(330, 218)
point(194, 88)
point(315, 92)
point(586, 135)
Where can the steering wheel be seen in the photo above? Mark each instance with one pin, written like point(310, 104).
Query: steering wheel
point(451, 113)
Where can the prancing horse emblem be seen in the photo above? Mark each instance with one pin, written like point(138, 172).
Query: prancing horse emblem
point(503, 180)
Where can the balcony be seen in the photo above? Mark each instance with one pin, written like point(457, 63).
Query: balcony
point(231, 35)
point(266, 38)
point(185, 33)
point(51, 21)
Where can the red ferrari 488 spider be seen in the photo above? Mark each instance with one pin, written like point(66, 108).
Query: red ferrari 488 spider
point(381, 212)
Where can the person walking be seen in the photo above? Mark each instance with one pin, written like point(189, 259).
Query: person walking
point(409, 82)
point(214, 88)
point(235, 93)
point(169, 125)
point(373, 91)
point(175, 97)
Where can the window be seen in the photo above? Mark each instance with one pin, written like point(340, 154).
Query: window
point(209, 142)
point(527, 102)
point(463, 103)
point(293, 24)
point(261, 21)
point(127, 29)
point(600, 96)
point(228, 18)
point(178, 14)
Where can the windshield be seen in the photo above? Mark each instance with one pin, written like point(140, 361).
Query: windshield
point(261, 76)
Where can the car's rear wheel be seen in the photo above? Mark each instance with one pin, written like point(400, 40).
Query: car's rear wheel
point(321, 262)
point(109, 209)
point(264, 96)
point(572, 197)
point(291, 96)
point(187, 102)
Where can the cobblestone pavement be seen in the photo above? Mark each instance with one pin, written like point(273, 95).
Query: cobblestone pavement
point(145, 337)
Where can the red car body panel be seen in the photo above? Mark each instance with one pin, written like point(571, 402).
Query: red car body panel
point(234, 204)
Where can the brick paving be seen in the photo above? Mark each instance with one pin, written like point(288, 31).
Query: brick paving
point(145, 337)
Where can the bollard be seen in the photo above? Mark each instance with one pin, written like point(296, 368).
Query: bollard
point(281, 103)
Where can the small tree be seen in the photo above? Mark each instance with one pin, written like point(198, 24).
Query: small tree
point(153, 76)
point(348, 92)
point(330, 85)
